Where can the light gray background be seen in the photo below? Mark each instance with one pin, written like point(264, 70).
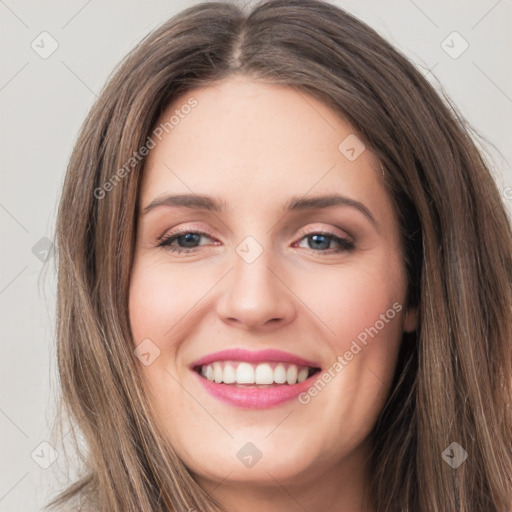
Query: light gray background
point(43, 103)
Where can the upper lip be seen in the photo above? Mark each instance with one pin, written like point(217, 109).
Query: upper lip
point(260, 356)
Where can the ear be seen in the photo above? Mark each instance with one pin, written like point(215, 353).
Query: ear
point(411, 319)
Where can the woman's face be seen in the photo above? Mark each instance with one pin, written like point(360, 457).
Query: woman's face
point(286, 283)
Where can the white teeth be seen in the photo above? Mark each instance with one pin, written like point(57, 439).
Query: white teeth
point(291, 374)
point(229, 374)
point(280, 374)
point(303, 375)
point(245, 374)
point(264, 374)
point(233, 372)
point(218, 374)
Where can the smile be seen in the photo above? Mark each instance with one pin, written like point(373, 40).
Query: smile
point(243, 373)
point(254, 379)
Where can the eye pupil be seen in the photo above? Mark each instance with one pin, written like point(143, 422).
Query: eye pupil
point(324, 245)
point(189, 238)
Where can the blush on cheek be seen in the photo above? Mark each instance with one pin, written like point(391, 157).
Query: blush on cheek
point(363, 318)
point(153, 304)
point(370, 333)
point(166, 306)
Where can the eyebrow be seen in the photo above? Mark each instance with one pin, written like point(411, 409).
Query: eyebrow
point(295, 203)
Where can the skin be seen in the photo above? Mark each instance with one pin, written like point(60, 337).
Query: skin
point(255, 145)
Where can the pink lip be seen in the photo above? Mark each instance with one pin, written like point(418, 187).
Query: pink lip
point(251, 396)
point(261, 356)
point(255, 398)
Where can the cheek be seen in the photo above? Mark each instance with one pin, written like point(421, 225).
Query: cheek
point(353, 300)
point(361, 309)
point(365, 312)
point(159, 298)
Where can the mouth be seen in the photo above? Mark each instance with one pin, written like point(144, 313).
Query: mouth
point(258, 380)
point(261, 375)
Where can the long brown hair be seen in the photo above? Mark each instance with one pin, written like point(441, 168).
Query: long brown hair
point(454, 376)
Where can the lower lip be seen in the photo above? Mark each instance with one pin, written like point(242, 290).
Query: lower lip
point(255, 398)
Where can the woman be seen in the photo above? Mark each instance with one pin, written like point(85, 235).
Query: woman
point(284, 278)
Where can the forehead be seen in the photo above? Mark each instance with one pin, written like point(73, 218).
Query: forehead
point(251, 141)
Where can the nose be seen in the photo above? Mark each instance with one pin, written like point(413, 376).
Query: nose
point(256, 296)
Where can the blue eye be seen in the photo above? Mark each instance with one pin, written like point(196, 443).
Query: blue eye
point(189, 238)
point(320, 242)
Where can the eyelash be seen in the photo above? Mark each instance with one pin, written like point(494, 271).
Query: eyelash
point(346, 245)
